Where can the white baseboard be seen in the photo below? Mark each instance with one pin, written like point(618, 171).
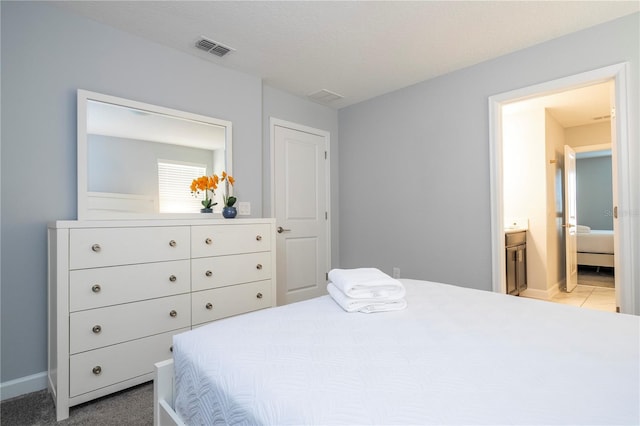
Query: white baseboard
point(535, 294)
point(23, 385)
point(542, 294)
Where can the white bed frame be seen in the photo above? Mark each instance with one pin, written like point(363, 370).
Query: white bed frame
point(163, 396)
point(595, 259)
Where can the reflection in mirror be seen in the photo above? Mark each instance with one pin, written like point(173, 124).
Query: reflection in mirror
point(137, 160)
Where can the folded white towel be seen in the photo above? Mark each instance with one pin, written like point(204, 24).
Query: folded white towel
point(367, 306)
point(366, 283)
point(582, 229)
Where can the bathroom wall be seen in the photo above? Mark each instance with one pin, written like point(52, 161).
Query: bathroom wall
point(525, 191)
point(589, 134)
point(554, 163)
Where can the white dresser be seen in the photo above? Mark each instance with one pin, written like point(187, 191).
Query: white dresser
point(120, 290)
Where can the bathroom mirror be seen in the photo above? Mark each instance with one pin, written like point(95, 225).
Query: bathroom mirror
point(137, 161)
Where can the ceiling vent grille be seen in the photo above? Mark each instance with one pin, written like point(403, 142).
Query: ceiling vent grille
point(213, 47)
point(325, 96)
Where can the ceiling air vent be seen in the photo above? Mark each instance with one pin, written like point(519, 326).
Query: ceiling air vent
point(213, 47)
point(325, 96)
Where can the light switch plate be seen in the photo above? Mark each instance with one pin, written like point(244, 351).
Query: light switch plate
point(244, 208)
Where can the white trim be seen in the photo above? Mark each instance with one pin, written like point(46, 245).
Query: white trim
point(23, 385)
point(547, 294)
point(534, 293)
point(591, 148)
point(620, 148)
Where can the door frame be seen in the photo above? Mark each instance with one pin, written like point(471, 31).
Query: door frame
point(620, 156)
point(273, 122)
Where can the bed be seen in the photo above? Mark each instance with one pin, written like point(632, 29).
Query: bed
point(595, 247)
point(453, 356)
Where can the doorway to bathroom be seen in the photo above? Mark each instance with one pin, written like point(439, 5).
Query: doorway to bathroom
point(548, 224)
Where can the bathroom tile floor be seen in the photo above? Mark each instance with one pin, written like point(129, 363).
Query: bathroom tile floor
point(595, 290)
point(588, 296)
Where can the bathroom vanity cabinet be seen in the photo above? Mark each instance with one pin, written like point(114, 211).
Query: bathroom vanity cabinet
point(516, 261)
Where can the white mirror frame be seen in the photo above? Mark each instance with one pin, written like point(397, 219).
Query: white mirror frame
point(85, 96)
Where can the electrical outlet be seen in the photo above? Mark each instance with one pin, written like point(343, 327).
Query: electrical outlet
point(396, 272)
point(244, 208)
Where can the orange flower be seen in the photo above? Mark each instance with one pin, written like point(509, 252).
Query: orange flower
point(205, 184)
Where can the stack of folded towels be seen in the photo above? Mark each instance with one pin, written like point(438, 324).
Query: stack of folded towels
point(366, 290)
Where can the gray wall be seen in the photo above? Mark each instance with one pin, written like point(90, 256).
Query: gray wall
point(414, 164)
point(284, 106)
point(47, 54)
point(594, 192)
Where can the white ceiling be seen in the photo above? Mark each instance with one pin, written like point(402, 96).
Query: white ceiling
point(358, 49)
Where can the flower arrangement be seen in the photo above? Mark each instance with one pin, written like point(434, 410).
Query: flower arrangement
point(229, 200)
point(206, 184)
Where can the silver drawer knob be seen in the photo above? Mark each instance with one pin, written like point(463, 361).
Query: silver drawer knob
point(96, 248)
point(209, 306)
point(258, 237)
point(173, 313)
point(208, 241)
point(97, 370)
point(96, 329)
point(172, 278)
point(208, 273)
point(173, 243)
point(259, 266)
point(259, 295)
point(96, 288)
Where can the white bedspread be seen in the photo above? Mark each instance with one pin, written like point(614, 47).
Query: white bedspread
point(595, 241)
point(454, 356)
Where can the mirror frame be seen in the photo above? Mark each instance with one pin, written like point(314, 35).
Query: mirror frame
point(84, 96)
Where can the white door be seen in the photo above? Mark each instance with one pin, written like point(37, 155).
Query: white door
point(570, 218)
point(300, 170)
point(614, 178)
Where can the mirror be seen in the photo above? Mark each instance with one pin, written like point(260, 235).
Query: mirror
point(137, 161)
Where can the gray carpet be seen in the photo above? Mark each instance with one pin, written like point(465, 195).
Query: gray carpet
point(596, 276)
point(133, 406)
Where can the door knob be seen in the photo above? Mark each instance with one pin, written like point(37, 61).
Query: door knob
point(281, 230)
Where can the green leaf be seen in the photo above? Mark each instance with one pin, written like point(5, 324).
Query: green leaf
point(231, 201)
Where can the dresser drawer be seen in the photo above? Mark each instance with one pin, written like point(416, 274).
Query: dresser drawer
point(117, 363)
point(209, 305)
point(221, 271)
point(215, 240)
point(120, 323)
point(99, 287)
point(89, 248)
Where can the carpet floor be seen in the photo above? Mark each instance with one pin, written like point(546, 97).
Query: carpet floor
point(130, 407)
point(596, 276)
